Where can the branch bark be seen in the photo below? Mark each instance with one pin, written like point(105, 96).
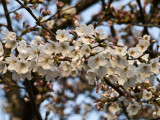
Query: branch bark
point(121, 93)
point(37, 21)
point(9, 24)
point(32, 100)
point(142, 16)
point(106, 12)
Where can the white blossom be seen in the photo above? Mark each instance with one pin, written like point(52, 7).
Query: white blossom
point(134, 52)
point(113, 107)
point(146, 37)
point(37, 41)
point(33, 52)
point(130, 82)
point(12, 60)
point(51, 47)
point(81, 29)
point(97, 49)
point(146, 95)
point(87, 40)
point(51, 74)
point(120, 61)
point(121, 50)
point(62, 35)
point(142, 45)
point(127, 72)
point(21, 45)
point(96, 61)
point(155, 65)
point(22, 66)
point(8, 36)
point(101, 71)
point(91, 77)
point(1, 49)
point(65, 65)
point(50, 24)
point(101, 34)
point(74, 72)
point(113, 78)
point(85, 51)
point(144, 70)
point(3, 67)
point(74, 55)
point(64, 48)
point(45, 61)
point(133, 108)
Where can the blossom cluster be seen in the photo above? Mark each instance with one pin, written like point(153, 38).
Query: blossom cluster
point(90, 55)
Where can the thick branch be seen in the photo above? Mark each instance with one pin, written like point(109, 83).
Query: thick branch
point(32, 99)
point(85, 4)
point(7, 15)
point(121, 93)
point(37, 21)
point(125, 112)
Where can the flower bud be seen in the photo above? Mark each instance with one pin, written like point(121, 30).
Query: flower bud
point(76, 23)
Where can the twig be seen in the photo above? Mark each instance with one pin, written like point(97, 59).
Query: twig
point(147, 25)
point(136, 58)
point(76, 5)
point(103, 5)
point(37, 21)
point(106, 12)
point(15, 10)
point(142, 16)
point(32, 99)
point(7, 15)
point(3, 25)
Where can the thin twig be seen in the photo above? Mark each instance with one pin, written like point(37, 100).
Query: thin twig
point(76, 5)
point(15, 10)
point(37, 21)
point(142, 16)
point(103, 5)
point(106, 12)
point(147, 25)
point(3, 25)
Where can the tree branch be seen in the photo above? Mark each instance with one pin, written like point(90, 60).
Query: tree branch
point(121, 93)
point(32, 100)
point(142, 16)
point(7, 15)
point(37, 21)
point(3, 25)
point(106, 12)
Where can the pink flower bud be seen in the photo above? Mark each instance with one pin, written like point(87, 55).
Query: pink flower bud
point(76, 23)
